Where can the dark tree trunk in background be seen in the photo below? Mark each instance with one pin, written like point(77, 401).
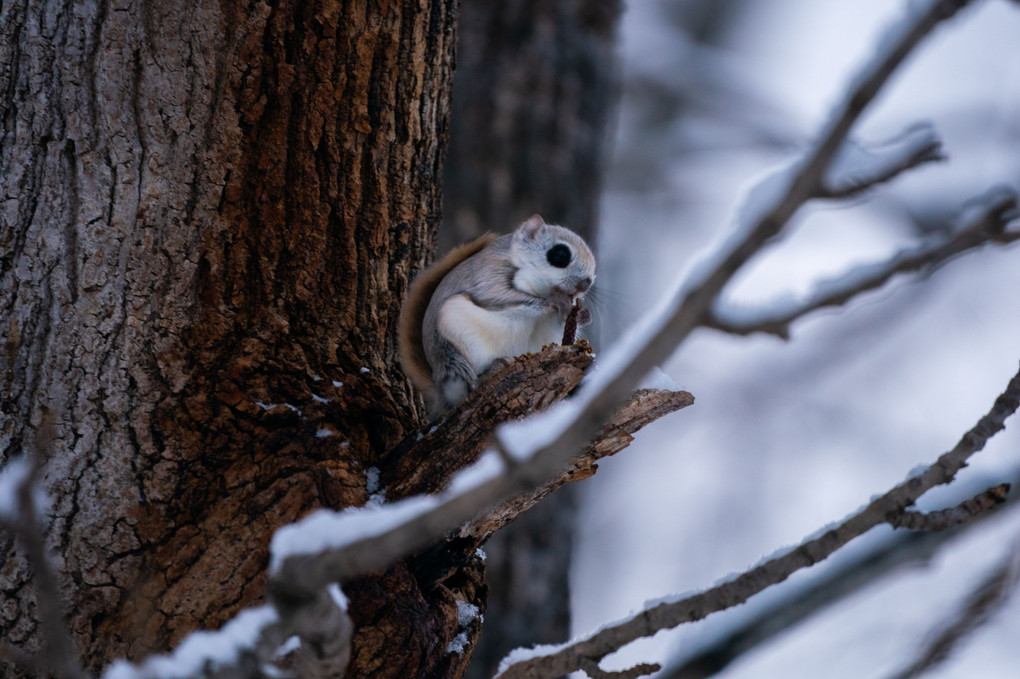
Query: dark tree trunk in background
point(210, 214)
point(534, 92)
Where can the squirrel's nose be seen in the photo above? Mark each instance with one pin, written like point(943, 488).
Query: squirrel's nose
point(583, 284)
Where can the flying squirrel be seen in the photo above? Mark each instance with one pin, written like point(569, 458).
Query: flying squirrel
point(492, 298)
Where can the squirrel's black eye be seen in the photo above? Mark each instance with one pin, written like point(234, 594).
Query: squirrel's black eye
point(558, 255)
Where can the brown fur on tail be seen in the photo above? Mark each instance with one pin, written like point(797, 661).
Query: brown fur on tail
point(412, 312)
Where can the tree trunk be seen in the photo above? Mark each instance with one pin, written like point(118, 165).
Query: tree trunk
point(210, 213)
point(534, 93)
point(533, 96)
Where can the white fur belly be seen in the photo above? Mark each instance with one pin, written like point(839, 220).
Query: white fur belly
point(482, 336)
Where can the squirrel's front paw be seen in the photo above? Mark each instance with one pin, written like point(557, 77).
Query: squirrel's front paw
point(496, 364)
point(583, 315)
point(559, 302)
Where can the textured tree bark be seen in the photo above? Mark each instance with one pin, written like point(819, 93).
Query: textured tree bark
point(534, 93)
point(209, 213)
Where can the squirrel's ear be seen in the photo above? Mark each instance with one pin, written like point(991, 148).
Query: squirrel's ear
point(532, 227)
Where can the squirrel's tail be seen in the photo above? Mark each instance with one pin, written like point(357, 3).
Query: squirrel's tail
point(412, 312)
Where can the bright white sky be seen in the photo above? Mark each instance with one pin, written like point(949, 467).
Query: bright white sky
point(785, 438)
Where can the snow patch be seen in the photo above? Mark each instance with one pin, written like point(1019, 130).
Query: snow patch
point(524, 654)
point(291, 644)
point(466, 613)
point(487, 467)
point(657, 378)
point(270, 406)
point(857, 166)
point(458, 643)
point(325, 529)
point(372, 480)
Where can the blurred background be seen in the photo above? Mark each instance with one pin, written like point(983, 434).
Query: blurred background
point(785, 438)
point(678, 106)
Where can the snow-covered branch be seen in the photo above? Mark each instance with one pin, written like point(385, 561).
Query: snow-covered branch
point(555, 661)
point(335, 546)
point(312, 638)
point(857, 168)
point(230, 651)
point(982, 221)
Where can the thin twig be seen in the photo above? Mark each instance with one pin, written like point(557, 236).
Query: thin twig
point(998, 207)
point(738, 590)
point(570, 326)
point(857, 169)
point(954, 516)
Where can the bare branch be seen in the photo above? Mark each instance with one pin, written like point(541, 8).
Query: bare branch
point(984, 225)
point(914, 548)
point(570, 327)
point(954, 516)
point(987, 599)
point(669, 614)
